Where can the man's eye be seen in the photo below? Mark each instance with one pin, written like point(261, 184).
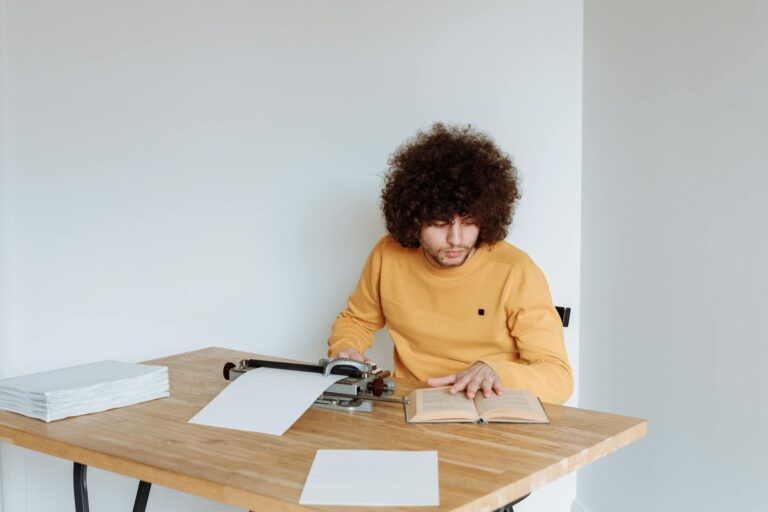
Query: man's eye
point(469, 222)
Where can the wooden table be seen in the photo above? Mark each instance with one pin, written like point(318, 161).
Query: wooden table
point(482, 467)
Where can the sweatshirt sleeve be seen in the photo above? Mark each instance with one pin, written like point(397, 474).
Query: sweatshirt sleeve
point(536, 328)
point(355, 326)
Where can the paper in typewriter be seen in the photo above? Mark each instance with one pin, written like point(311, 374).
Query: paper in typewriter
point(264, 400)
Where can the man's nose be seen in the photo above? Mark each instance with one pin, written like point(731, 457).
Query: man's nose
point(454, 234)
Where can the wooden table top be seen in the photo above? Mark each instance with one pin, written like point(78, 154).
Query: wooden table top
point(481, 467)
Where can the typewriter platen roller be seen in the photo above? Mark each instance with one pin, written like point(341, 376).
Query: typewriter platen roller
point(362, 384)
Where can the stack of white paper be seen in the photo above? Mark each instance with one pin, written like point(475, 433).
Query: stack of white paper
point(83, 389)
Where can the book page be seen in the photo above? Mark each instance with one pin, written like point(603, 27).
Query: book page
point(438, 404)
point(514, 405)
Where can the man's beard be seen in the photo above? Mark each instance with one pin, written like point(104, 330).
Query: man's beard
point(444, 261)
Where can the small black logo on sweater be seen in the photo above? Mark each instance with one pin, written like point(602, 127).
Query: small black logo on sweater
point(481, 312)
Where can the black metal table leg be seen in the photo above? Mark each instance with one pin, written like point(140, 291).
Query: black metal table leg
point(79, 475)
point(142, 496)
point(81, 487)
point(509, 507)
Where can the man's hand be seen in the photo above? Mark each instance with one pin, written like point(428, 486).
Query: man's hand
point(351, 353)
point(479, 376)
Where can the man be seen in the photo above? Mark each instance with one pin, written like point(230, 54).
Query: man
point(464, 307)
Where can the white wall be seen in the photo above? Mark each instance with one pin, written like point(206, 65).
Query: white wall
point(183, 174)
point(674, 245)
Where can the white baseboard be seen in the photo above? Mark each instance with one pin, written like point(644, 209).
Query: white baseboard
point(577, 506)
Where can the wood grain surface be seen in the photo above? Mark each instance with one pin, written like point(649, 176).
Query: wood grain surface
point(481, 467)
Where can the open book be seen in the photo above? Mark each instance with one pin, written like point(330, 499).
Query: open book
point(438, 405)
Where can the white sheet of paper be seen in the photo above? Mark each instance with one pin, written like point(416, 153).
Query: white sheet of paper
point(402, 478)
point(264, 400)
point(77, 378)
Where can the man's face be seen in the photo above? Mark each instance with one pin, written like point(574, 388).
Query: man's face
point(449, 244)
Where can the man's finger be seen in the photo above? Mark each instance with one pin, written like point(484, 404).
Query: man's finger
point(497, 387)
point(472, 388)
point(487, 387)
point(353, 354)
point(441, 381)
point(461, 383)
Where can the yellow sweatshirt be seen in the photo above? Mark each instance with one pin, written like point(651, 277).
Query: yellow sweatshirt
point(495, 308)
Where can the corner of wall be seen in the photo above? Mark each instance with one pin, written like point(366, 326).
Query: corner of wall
point(9, 304)
point(7, 238)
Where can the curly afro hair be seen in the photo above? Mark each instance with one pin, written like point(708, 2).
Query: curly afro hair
point(447, 171)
